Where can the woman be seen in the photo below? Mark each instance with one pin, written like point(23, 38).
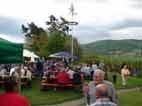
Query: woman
point(125, 72)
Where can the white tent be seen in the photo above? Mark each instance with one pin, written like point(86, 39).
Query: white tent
point(27, 53)
point(32, 55)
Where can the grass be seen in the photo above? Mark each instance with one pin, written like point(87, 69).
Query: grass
point(37, 97)
point(131, 82)
point(130, 99)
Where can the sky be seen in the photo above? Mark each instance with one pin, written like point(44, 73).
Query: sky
point(98, 19)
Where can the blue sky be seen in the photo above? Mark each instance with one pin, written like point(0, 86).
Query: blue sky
point(98, 19)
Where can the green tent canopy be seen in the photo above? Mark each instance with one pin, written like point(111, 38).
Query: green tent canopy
point(10, 52)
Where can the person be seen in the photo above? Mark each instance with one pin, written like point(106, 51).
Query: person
point(98, 78)
point(76, 77)
point(70, 72)
point(86, 69)
point(63, 77)
point(39, 68)
point(26, 75)
point(15, 72)
point(3, 72)
point(114, 77)
point(85, 90)
point(125, 72)
point(102, 97)
point(10, 97)
point(94, 68)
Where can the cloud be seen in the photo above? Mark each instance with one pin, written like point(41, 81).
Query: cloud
point(89, 33)
point(120, 29)
point(137, 4)
point(126, 23)
point(11, 27)
point(127, 33)
point(98, 19)
point(12, 38)
point(102, 1)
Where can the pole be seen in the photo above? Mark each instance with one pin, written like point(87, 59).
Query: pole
point(72, 15)
point(72, 51)
point(72, 47)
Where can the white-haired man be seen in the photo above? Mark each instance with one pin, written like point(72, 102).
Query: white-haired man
point(98, 78)
point(102, 97)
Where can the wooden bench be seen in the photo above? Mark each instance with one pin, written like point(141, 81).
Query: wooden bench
point(56, 85)
point(48, 85)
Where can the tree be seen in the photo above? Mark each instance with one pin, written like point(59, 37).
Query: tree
point(55, 24)
point(56, 42)
point(36, 39)
point(39, 44)
point(76, 46)
point(61, 27)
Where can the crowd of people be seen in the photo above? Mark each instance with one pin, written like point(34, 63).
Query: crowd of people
point(61, 73)
point(98, 92)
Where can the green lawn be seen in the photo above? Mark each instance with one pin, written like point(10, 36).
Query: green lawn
point(37, 97)
point(131, 83)
point(130, 99)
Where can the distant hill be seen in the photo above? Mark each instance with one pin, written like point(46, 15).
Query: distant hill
point(115, 47)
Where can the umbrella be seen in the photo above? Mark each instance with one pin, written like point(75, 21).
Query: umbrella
point(10, 52)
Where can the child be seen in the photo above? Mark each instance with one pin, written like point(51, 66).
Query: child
point(86, 93)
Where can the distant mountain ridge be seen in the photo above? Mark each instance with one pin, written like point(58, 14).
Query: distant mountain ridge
point(116, 47)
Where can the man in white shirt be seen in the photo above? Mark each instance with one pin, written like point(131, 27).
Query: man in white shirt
point(70, 72)
point(14, 71)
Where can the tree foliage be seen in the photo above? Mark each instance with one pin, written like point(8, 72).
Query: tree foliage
point(55, 24)
point(36, 39)
point(76, 46)
point(56, 42)
point(55, 39)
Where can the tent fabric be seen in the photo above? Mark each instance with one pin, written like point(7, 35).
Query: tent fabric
point(10, 52)
point(62, 54)
point(27, 53)
point(32, 55)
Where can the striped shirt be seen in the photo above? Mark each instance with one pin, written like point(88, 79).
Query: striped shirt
point(103, 102)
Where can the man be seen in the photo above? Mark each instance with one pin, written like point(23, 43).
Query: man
point(11, 97)
point(76, 77)
point(26, 76)
point(86, 70)
point(3, 72)
point(39, 68)
point(94, 68)
point(70, 72)
point(14, 71)
point(98, 78)
point(102, 97)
